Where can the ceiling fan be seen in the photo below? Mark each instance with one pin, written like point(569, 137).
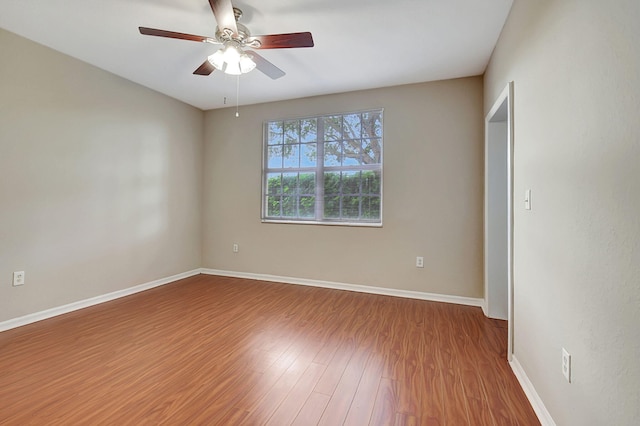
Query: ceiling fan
point(235, 38)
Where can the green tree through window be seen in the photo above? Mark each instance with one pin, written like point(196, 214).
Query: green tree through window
point(324, 169)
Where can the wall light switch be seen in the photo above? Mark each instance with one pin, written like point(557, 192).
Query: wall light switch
point(527, 199)
point(566, 365)
point(18, 278)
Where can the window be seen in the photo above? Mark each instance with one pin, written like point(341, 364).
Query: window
point(325, 169)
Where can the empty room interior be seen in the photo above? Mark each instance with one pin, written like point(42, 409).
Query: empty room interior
point(309, 238)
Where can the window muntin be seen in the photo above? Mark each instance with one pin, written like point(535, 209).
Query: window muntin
point(324, 169)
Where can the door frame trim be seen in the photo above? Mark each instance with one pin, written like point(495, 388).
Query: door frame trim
point(505, 95)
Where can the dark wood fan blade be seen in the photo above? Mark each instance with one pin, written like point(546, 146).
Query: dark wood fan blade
point(266, 67)
point(172, 34)
point(205, 69)
point(223, 11)
point(282, 41)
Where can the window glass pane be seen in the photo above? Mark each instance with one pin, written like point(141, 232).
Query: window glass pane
point(332, 207)
point(274, 183)
point(350, 168)
point(350, 182)
point(307, 183)
point(371, 182)
point(332, 183)
point(289, 183)
point(273, 206)
point(275, 157)
point(351, 150)
point(333, 128)
point(289, 208)
point(371, 151)
point(350, 207)
point(291, 132)
point(275, 133)
point(291, 156)
point(308, 130)
point(332, 154)
point(351, 126)
point(371, 207)
point(308, 155)
point(371, 124)
point(307, 207)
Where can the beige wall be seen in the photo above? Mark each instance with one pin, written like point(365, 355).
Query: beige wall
point(433, 180)
point(100, 182)
point(576, 67)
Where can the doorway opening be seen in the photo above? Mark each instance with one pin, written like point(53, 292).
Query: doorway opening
point(498, 212)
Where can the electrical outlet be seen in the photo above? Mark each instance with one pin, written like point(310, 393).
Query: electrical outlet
point(18, 278)
point(566, 365)
point(235, 248)
point(419, 262)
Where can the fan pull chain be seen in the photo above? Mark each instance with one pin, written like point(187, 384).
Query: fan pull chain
point(237, 96)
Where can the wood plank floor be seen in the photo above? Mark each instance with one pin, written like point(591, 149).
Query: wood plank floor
point(225, 351)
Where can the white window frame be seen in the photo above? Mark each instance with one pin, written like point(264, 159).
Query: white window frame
point(319, 169)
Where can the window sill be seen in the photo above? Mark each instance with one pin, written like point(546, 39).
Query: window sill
point(313, 222)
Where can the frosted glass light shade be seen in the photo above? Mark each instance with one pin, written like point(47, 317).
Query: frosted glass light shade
point(233, 68)
point(246, 63)
point(231, 54)
point(217, 60)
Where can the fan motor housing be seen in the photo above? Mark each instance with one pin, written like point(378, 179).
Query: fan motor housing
point(243, 32)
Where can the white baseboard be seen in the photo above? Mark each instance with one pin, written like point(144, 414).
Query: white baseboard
point(49, 313)
point(485, 309)
point(536, 402)
point(459, 300)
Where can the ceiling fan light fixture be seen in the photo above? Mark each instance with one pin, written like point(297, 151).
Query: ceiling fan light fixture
point(232, 60)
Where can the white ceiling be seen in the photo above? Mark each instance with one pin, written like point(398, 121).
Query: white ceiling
point(359, 44)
